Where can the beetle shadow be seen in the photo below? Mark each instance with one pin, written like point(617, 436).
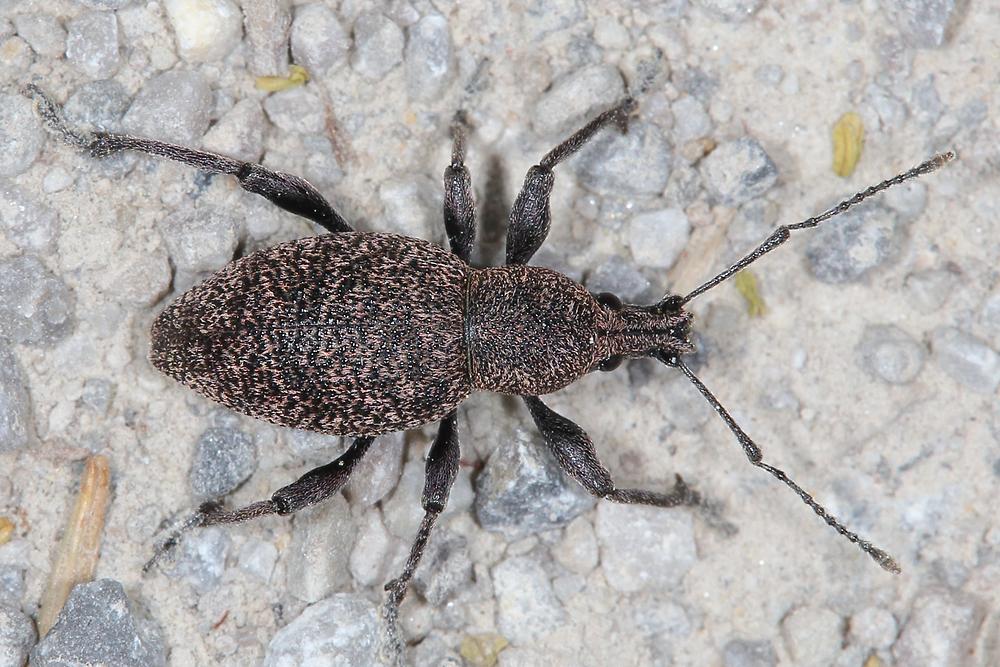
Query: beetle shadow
point(493, 214)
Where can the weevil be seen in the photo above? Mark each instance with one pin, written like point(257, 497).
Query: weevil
point(362, 334)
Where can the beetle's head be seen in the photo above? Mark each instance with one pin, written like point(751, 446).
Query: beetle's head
point(661, 330)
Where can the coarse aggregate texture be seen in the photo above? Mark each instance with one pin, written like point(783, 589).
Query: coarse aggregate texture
point(871, 378)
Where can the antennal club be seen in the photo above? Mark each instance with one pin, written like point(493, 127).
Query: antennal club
point(781, 234)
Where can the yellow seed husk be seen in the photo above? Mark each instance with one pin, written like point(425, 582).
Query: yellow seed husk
point(848, 138)
point(297, 76)
point(746, 284)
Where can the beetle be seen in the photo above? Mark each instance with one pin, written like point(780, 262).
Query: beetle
point(361, 334)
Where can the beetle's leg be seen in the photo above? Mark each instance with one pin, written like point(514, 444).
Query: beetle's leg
point(781, 234)
point(440, 473)
point(530, 217)
point(459, 205)
point(575, 452)
point(756, 457)
point(316, 485)
point(290, 192)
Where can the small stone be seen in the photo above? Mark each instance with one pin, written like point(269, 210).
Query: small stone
point(657, 238)
point(200, 240)
point(21, 134)
point(636, 163)
point(925, 102)
point(205, 30)
point(576, 98)
point(370, 549)
point(239, 133)
point(733, 11)
point(522, 490)
point(928, 290)
point(92, 44)
point(99, 626)
point(924, 23)
point(28, 223)
point(378, 46)
point(36, 307)
point(258, 558)
point(907, 199)
point(106, 4)
point(738, 171)
point(15, 405)
point(296, 110)
point(618, 276)
point(411, 207)
point(445, 569)
point(202, 558)
point(644, 548)
point(941, 630)
point(43, 33)
point(432, 651)
point(577, 551)
point(56, 179)
point(691, 121)
point(989, 314)
point(319, 41)
point(378, 473)
point(890, 110)
point(340, 631)
point(769, 74)
point(99, 104)
point(267, 24)
point(428, 58)
point(863, 239)
point(174, 106)
point(966, 359)
point(11, 576)
point(747, 653)
point(527, 606)
point(661, 623)
point(889, 353)
point(319, 556)
point(223, 459)
point(17, 636)
point(873, 628)
point(813, 635)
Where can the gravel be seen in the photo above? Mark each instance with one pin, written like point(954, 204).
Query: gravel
point(429, 57)
point(924, 23)
point(378, 46)
point(738, 171)
point(223, 459)
point(813, 635)
point(17, 636)
point(173, 106)
point(575, 98)
point(100, 625)
point(92, 44)
point(98, 104)
point(527, 607)
point(862, 240)
point(319, 40)
point(636, 163)
point(36, 307)
point(749, 653)
point(941, 630)
point(889, 353)
point(21, 135)
point(657, 238)
point(200, 240)
point(24, 220)
point(319, 556)
point(15, 405)
point(340, 631)
point(966, 359)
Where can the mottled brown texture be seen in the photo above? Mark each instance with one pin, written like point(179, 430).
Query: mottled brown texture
point(350, 333)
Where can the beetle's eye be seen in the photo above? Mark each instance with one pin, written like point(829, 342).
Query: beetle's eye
point(610, 300)
point(610, 364)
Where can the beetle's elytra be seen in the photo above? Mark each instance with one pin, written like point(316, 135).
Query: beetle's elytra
point(364, 333)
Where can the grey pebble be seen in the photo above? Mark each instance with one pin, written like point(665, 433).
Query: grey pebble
point(239, 133)
point(873, 628)
point(924, 23)
point(636, 163)
point(21, 134)
point(174, 106)
point(43, 33)
point(941, 630)
point(966, 359)
point(661, 622)
point(11, 580)
point(769, 74)
point(691, 121)
point(576, 98)
point(27, 222)
point(890, 110)
point(738, 171)
point(258, 557)
point(733, 11)
point(446, 568)
point(106, 4)
point(92, 44)
point(657, 238)
point(15, 405)
point(340, 631)
point(378, 472)
point(267, 24)
point(527, 606)
point(223, 459)
point(201, 560)
point(908, 199)
point(618, 276)
point(318, 558)
point(99, 104)
point(521, 490)
point(378, 45)
point(17, 636)
point(200, 240)
point(36, 307)
point(813, 635)
point(889, 353)
point(99, 626)
point(319, 41)
point(749, 653)
point(432, 651)
point(97, 394)
point(927, 290)
point(862, 239)
point(296, 110)
point(428, 55)
point(925, 102)
point(658, 561)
